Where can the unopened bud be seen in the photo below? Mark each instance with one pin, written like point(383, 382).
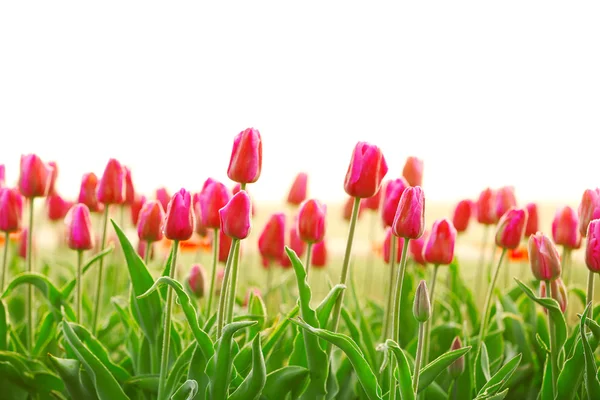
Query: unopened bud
point(457, 367)
point(422, 306)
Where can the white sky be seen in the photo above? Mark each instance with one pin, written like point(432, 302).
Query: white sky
point(487, 93)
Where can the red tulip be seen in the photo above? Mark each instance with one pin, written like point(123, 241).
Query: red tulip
point(373, 202)
point(162, 195)
point(295, 244)
point(439, 248)
point(179, 218)
point(532, 219)
point(409, 221)
point(505, 200)
point(201, 229)
point(311, 221)
point(150, 221)
point(319, 255)
point(57, 207)
point(272, 239)
point(236, 188)
point(457, 368)
point(79, 233)
point(35, 176)
point(224, 246)
point(387, 246)
point(11, 210)
point(196, 280)
point(590, 201)
point(87, 192)
point(393, 191)
point(136, 207)
point(485, 208)
point(416, 246)
point(129, 189)
point(235, 216)
point(246, 157)
point(23, 244)
point(565, 226)
point(462, 215)
point(111, 188)
point(297, 193)
point(543, 257)
point(212, 198)
point(366, 170)
point(592, 249)
point(510, 228)
point(413, 171)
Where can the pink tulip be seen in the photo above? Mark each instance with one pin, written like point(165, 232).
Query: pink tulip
point(246, 157)
point(271, 242)
point(150, 221)
point(311, 221)
point(462, 215)
point(295, 244)
point(590, 201)
point(162, 195)
point(592, 249)
point(235, 216)
point(565, 226)
point(413, 171)
point(532, 219)
point(2, 176)
point(439, 248)
point(35, 176)
point(136, 207)
point(485, 208)
point(393, 191)
point(87, 192)
point(510, 228)
point(297, 193)
point(212, 198)
point(319, 255)
point(179, 218)
point(11, 210)
point(543, 257)
point(79, 233)
point(416, 246)
point(111, 188)
point(57, 207)
point(505, 200)
point(366, 170)
point(196, 280)
point(409, 221)
point(129, 189)
point(373, 202)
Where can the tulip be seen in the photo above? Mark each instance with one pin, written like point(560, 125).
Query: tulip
point(457, 368)
point(271, 242)
point(422, 311)
point(462, 215)
point(373, 202)
point(87, 192)
point(2, 176)
point(201, 229)
point(196, 280)
point(505, 200)
point(246, 157)
point(235, 216)
point(592, 249)
point(439, 248)
point(409, 221)
point(413, 171)
point(57, 207)
point(511, 227)
point(35, 176)
point(543, 257)
point(311, 221)
point(297, 193)
point(422, 305)
point(150, 221)
point(23, 243)
point(393, 191)
point(387, 245)
point(532, 219)
point(319, 255)
point(129, 189)
point(565, 228)
point(162, 195)
point(236, 188)
point(212, 198)
point(11, 211)
point(416, 249)
point(136, 207)
point(111, 188)
point(485, 208)
point(366, 170)
point(296, 244)
point(590, 201)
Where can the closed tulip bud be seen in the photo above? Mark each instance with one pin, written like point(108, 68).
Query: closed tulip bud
point(57, 207)
point(592, 249)
point(421, 305)
point(510, 228)
point(319, 255)
point(416, 246)
point(589, 202)
point(213, 197)
point(246, 157)
point(23, 244)
point(162, 195)
point(366, 170)
point(271, 242)
point(457, 368)
point(543, 257)
point(11, 210)
point(235, 216)
point(179, 218)
point(413, 171)
point(565, 228)
point(111, 188)
point(78, 223)
point(409, 222)
point(387, 246)
point(485, 208)
point(392, 193)
point(462, 215)
point(35, 176)
point(87, 192)
point(196, 280)
point(439, 248)
point(295, 244)
point(150, 221)
point(129, 189)
point(297, 193)
point(372, 203)
point(311, 221)
point(505, 200)
point(136, 207)
point(532, 219)
point(224, 246)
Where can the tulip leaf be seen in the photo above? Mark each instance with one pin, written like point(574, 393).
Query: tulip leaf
point(403, 374)
point(3, 327)
point(177, 369)
point(197, 371)
point(500, 378)
point(187, 391)
point(68, 370)
point(283, 381)
point(254, 383)
point(431, 371)
point(592, 385)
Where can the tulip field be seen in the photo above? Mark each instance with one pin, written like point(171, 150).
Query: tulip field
point(206, 294)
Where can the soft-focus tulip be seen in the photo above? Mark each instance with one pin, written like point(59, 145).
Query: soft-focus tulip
point(57, 207)
point(246, 157)
point(236, 188)
point(347, 210)
point(439, 248)
point(565, 228)
point(387, 246)
point(271, 242)
point(297, 193)
point(457, 367)
point(53, 177)
point(413, 171)
point(409, 221)
point(311, 221)
point(179, 218)
point(136, 207)
point(532, 219)
point(129, 189)
point(2, 176)
point(589, 202)
point(111, 188)
point(78, 223)
point(224, 246)
point(592, 249)
point(87, 192)
point(485, 207)
point(162, 195)
point(511, 227)
point(150, 221)
point(11, 210)
point(201, 229)
point(23, 244)
point(35, 176)
point(392, 192)
point(543, 257)
point(319, 255)
point(235, 216)
point(366, 170)
point(421, 304)
point(372, 203)
point(142, 248)
point(196, 280)
point(558, 291)
point(254, 291)
point(212, 198)
point(415, 248)
point(504, 200)
point(462, 215)
point(295, 244)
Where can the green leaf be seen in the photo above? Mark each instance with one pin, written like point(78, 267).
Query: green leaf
point(255, 381)
point(350, 348)
point(404, 375)
point(45, 334)
point(3, 327)
point(592, 385)
point(148, 383)
point(430, 372)
point(283, 381)
point(279, 331)
point(68, 370)
point(68, 288)
point(187, 391)
point(197, 371)
point(547, 389)
point(326, 306)
point(500, 378)
point(256, 306)
point(366, 334)
point(177, 370)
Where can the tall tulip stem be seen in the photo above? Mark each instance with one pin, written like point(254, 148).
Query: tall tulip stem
point(213, 275)
point(79, 285)
point(389, 310)
point(233, 286)
point(430, 320)
point(224, 287)
point(100, 267)
point(30, 270)
point(4, 260)
point(308, 255)
point(550, 293)
point(418, 357)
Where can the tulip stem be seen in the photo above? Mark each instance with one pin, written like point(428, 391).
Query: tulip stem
point(390, 291)
point(30, 270)
point(4, 260)
point(338, 304)
point(243, 186)
point(233, 286)
point(308, 255)
point(147, 252)
point(79, 285)
point(269, 295)
point(480, 282)
point(398, 294)
point(590, 290)
point(100, 266)
point(418, 357)
point(164, 359)
point(430, 320)
point(224, 288)
point(368, 275)
point(550, 293)
point(213, 276)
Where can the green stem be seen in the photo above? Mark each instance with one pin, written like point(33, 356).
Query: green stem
point(389, 310)
point(243, 186)
point(418, 357)
point(224, 288)
point(338, 304)
point(590, 290)
point(368, 275)
point(480, 279)
point(430, 320)
point(398, 294)
point(79, 285)
point(233, 286)
point(308, 255)
point(147, 252)
point(30, 270)
point(270, 289)
point(164, 359)
point(213, 276)
point(4, 260)
point(550, 292)
point(100, 266)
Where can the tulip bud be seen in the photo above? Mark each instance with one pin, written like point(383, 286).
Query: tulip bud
point(35, 176)
point(439, 248)
point(592, 249)
point(462, 215)
point(297, 193)
point(319, 255)
point(179, 218)
point(79, 233)
point(224, 246)
point(246, 157)
point(129, 189)
point(23, 238)
point(421, 305)
point(11, 210)
point(366, 170)
point(136, 207)
point(565, 228)
point(271, 242)
point(393, 191)
point(413, 171)
point(505, 200)
point(296, 244)
point(532, 219)
point(87, 192)
point(416, 246)
point(485, 208)
point(457, 367)
point(311, 221)
point(150, 221)
point(57, 207)
point(510, 228)
point(111, 188)
point(235, 216)
point(373, 202)
point(589, 202)
point(348, 206)
point(196, 280)
point(558, 292)
point(162, 195)
point(409, 221)
point(543, 257)
point(387, 245)
point(212, 198)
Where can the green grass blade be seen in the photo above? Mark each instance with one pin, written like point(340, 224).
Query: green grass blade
point(68, 288)
point(592, 385)
point(3, 328)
